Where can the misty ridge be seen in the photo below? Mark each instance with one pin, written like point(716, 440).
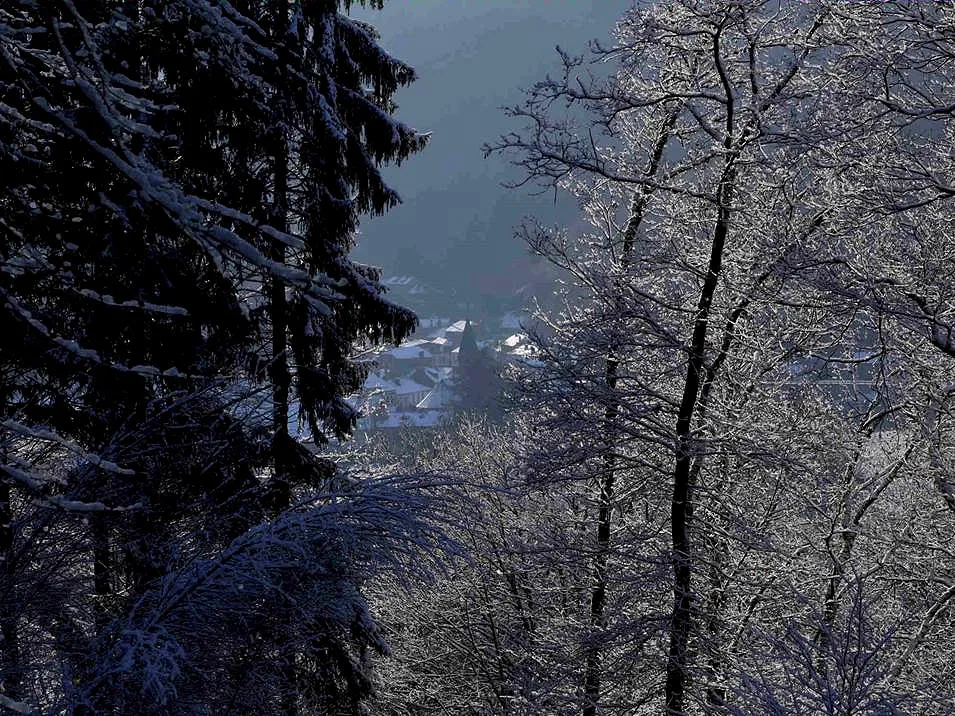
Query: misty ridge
point(486, 357)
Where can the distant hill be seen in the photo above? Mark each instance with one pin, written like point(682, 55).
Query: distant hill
point(455, 228)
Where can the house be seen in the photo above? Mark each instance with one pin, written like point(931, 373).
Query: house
point(452, 332)
point(409, 393)
point(406, 357)
point(441, 351)
point(414, 384)
point(440, 397)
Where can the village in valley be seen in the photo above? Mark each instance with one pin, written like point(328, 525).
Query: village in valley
point(449, 365)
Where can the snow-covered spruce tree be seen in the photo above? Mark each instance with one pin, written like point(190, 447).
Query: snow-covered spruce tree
point(315, 163)
point(141, 141)
point(101, 286)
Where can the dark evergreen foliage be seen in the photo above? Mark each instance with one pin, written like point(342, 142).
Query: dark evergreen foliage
point(478, 384)
point(167, 169)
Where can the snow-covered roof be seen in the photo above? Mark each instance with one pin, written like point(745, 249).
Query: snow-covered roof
point(408, 352)
point(375, 381)
point(433, 321)
point(514, 340)
point(449, 331)
point(524, 352)
point(431, 401)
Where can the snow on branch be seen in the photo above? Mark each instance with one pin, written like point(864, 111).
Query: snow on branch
point(189, 212)
point(135, 304)
point(18, 707)
point(36, 485)
point(310, 561)
point(47, 435)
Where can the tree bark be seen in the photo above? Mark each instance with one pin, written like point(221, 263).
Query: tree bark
point(598, 594)
point(280, 488)
point(102, 569)
point(680, 504)
point(686, 449)
point(680, 507)
point(10, 667)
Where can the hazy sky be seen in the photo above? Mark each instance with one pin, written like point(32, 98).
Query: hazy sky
point(472, 57)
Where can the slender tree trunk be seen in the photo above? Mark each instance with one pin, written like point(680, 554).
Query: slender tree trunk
point(102, 569)
point(681, 508)
point(715, 600)
point(686, 453)
point(280, 489)
point(716, 596)
point(278, 303)
point(848, 528)
point(10, 667)
point(598, 594)
point(839, 557)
